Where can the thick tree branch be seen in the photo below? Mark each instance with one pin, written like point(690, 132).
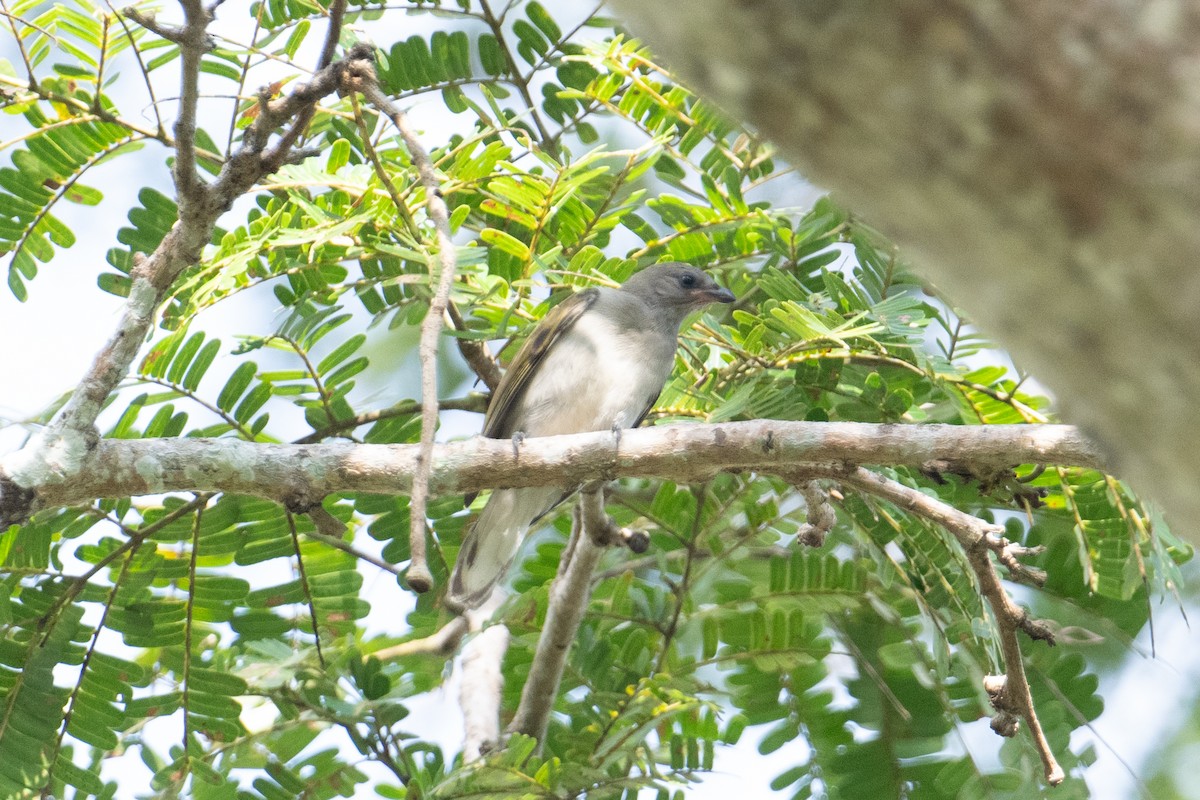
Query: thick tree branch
point(300, 475)
point(1037, 160)
point(337, 15)
point(419, 576)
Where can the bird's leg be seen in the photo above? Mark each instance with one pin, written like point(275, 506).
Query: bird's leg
point(518, 439)
point(617, 427)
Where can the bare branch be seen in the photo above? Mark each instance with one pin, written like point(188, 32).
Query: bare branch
point(482, 679)
point(194, 42)
point(419, 576)
point(820, 516)
point(337, 14)
point(1010, 693)
point(255, 158)
point(283, 152)
point(303, 474)
point(149, 21)
point(442, 643)
point(472, 402)
point(474, 351)
point(569, 596)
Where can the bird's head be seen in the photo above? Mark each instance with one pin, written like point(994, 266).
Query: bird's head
point(677, 288)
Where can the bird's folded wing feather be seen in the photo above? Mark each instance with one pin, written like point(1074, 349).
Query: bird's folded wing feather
point(501, 422)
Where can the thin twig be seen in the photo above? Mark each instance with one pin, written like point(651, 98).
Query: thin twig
point(633, 566)
point(682, 587)
point(419, 576)
point(84, 112)
point(497, 26)
point(473, 402)
point(381, 172)
point(73, 700)
point(245, 72)
point(474, 351)
point(12, 24)
point(1010, 692)
point(302, 574)
point(145, 73)
point(189, 622)
point(442, 643)
point(340, 544)
point(102, 62)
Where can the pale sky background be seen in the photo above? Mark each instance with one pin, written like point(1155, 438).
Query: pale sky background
point(49, 341)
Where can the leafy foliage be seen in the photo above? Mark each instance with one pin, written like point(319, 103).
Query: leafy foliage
point(172, 626)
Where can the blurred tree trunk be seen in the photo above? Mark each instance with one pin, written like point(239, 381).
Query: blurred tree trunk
point(1040, 162)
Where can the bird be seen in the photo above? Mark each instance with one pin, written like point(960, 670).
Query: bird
point(597, 361)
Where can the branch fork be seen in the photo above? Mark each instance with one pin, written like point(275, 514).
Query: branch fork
point(1009, 693)
point(66, 449)
point(179, 34)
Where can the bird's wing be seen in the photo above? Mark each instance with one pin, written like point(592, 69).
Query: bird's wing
point(499, 422)
point(645, 411)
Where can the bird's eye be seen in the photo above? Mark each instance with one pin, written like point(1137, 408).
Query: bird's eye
point(687, 281)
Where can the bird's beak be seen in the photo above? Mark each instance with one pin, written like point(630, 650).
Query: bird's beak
point(719, 294)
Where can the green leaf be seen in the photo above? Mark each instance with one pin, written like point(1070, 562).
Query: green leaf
point(236, 386)
point(542, 19)
point(341, 353)
point(491, 56)
point(505, 242)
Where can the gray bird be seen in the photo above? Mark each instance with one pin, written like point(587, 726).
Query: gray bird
point(597, 361)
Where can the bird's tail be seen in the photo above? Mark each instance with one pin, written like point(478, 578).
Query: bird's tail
point(493, 542)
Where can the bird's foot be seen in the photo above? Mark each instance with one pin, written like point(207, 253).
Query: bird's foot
point(637, 541)
point(518, 439)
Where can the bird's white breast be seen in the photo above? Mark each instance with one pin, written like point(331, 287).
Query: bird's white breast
point(598, 376)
